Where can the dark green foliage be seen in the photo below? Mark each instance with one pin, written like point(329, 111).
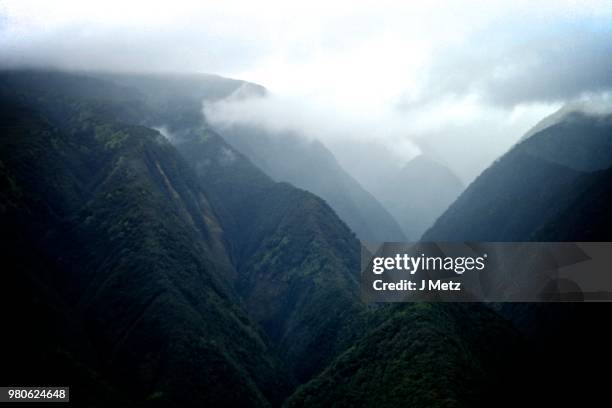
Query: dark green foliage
point(296, 261)
point(549, 187)
point(433, 355)
point(145, 273)
point(155, 263)
point(132, 264)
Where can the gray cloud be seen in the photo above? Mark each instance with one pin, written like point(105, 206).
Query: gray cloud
point(506, 53)
point(522, 62)
point(444, 76)
point(557, 71)
point(77, 46)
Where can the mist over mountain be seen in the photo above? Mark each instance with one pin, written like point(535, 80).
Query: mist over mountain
point(130, 257)
point(552, 186)
point(180, 274)
point(516, 195)
point(188, 188)
point(412, 195)
point(419, 193)
point(178, 100)
point(294, 257)
point(308, 164)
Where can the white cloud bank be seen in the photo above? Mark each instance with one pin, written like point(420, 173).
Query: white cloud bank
point(463, 79)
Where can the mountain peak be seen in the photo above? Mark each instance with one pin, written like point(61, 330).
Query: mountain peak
point(571, 112)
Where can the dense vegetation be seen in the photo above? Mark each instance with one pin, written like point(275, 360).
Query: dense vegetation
point(552, 186)
point(110, 236)
point(532, 184)
point(144, 272)
point(434, 355)
point(185, 279)
point(296, 261)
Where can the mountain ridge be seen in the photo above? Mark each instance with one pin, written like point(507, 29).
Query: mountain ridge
point(310, 165)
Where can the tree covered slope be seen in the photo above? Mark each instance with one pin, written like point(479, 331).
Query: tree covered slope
point(129, 258)
point(434, 355)
point(179, 274)
point(527, 188)
point(187, 275)
point(297, 263)
point(308, 164)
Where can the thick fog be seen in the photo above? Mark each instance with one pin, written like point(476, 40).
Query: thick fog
point(376, 81)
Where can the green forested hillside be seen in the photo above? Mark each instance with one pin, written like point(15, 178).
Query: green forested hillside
point(178, 275)
point(547, 188)
point(434, 355)
point(297, 263)
point(145, 272)
point(529, 186)
point(552, 186)
point(110, 234)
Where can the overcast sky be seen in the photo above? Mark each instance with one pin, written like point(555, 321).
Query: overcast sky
point(446, 76)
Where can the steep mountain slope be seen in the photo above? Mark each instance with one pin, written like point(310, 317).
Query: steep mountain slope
point(421, 191)
point(220, 248)
point(47, 342)
point(422, 355)
point(308, 164)
point(177, 100)
point(182, 275)
point(526, 189)
point(131, 262)
point(549, 187)
point(292, 273)
point(297, 263)
point(587, 217)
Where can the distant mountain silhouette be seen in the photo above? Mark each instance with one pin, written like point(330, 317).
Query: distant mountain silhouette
point(527, 188)
point(308, 164)
point(554, 185)
point(421, 191)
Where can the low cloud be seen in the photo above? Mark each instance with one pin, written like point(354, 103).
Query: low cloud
point(464, 134)
point(559, 64)
point(460, 80)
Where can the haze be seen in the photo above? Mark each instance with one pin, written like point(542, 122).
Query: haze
point(374, 80)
